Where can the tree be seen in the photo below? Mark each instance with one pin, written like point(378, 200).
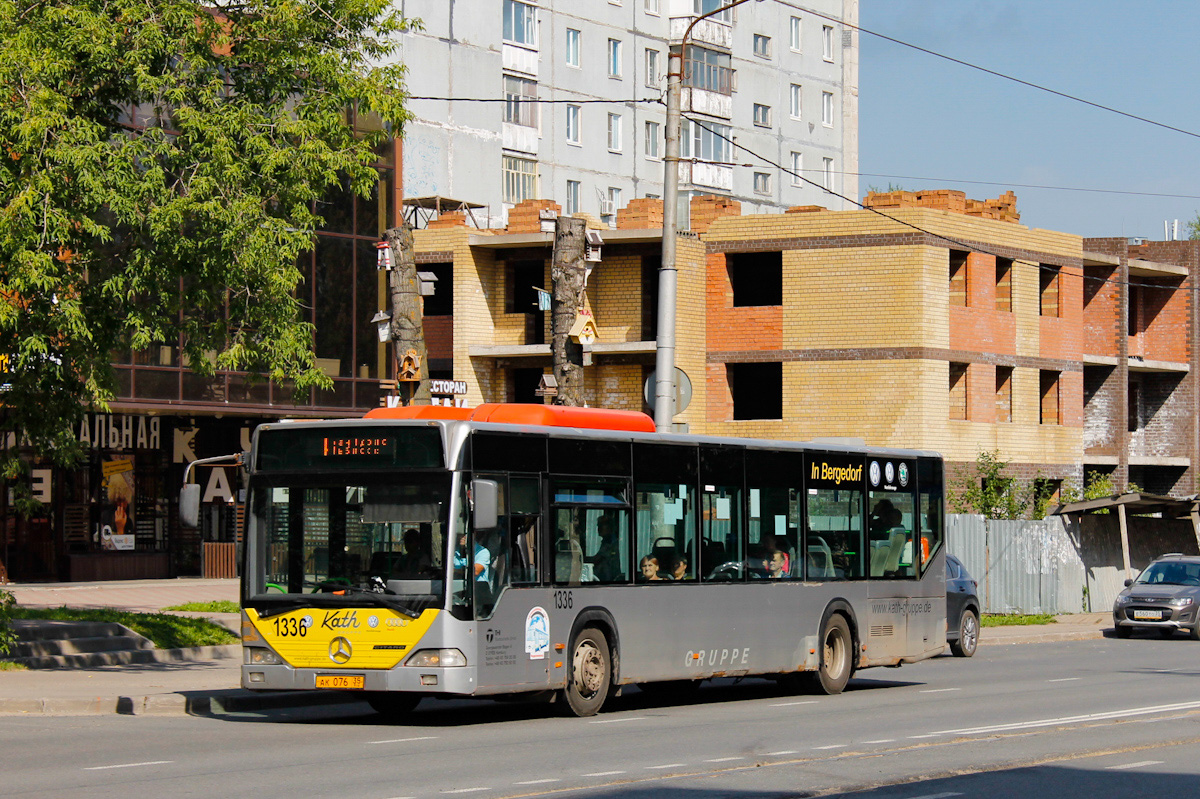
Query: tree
point(1193, 228)
point(160, 161)
point(567, 276)
point(408, 326)
point(987, 491)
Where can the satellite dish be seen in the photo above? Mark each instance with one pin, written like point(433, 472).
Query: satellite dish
point(683, 390)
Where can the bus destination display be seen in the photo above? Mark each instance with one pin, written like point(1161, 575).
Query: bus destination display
point(305, 449)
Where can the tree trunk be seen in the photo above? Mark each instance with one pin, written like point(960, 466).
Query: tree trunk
point(408, 330)
point(566, 280)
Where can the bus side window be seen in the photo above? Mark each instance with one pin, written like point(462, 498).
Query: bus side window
point(834, 544)
point(665, 509)
point(722, 532)
point(931, 517)
point(773, 513)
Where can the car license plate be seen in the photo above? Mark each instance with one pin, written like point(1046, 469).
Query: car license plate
point(1148, 615)
point(343, 682)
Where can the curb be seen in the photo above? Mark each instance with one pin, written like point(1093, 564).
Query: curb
point(1034, 638)
point(187, 703)
point(127, 657)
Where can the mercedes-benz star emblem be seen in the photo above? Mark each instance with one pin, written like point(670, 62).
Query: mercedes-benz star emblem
point(339, 650)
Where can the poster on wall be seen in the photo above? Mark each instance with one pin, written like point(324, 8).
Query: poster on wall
point(116, 525)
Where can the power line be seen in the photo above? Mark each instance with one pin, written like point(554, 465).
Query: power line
point(971, 247)
point(992, 72)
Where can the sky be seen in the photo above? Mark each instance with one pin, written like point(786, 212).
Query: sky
point(927, 123)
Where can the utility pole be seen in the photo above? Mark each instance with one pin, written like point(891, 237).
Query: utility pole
point(408, 329)
point(668, 275)
point(567, 278)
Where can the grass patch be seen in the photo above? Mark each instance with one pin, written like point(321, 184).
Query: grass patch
point(1013, 619)
point(166, 631)
point(8, 665)
point(216, 606)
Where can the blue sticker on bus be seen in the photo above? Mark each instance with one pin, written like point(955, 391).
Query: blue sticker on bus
point(537, 634)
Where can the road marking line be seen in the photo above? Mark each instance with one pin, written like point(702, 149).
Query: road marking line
point(831, 746)
point(405, 740)
point(1064, 679)
point(669, 765)
point(617, 721)
point(940, 690)
point(927, 735)
point(537, 782)
point(882, 741)
point(1139, 764)
point(793, 704)
point(467, 790)
point(1024, 725)
point(129, 765)
point(603, 773)
point(723, 759)
point(784, 752)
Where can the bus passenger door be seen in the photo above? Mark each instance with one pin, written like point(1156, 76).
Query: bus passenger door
point(514, 647)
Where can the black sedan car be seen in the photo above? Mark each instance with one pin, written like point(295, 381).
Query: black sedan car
point(962, 609)
point(1164, 597)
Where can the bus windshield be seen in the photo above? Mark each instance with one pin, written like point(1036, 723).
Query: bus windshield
point(369, 541)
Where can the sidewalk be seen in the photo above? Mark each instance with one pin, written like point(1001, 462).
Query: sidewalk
point(211, 684)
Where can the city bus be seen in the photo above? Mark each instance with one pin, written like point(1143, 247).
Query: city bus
point(562, 552)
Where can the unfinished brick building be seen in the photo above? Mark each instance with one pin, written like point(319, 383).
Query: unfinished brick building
point(944, 324)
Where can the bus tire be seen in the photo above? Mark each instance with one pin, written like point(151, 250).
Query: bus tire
point(836, 655)
point(590, 675)
point(393, 705)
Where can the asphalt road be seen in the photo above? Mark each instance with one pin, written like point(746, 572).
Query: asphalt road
point(1098, 718)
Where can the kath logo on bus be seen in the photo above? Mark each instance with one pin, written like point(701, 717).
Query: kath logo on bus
point(340, 620)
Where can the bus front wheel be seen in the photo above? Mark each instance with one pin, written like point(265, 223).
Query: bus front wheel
point(591, 673)
point(836, 657)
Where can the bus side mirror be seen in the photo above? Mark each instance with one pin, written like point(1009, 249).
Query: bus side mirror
point(486, 497)
point(189, 505)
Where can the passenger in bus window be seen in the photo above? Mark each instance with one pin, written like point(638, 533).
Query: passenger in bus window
point(416, 559)
point(776, 565)
point(649, 567)
point(606, 563)
point(679, 569)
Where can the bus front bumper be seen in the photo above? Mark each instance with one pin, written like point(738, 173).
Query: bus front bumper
point(418, 679)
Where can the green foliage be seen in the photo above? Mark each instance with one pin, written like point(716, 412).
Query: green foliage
point(1015, 619)
point(7, 636)
point(1193, 228)
point(987, 491)
point(1097, 485)
point(159, 165)
point(165, 630)
point(216, 606)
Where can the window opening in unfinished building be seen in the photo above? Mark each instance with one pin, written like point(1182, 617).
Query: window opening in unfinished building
point(958, 391)
point(1004, 393)
point(441, 302)
point(756, 278)
point(756, 390)
point(1050, 398)
point(958, 278)
point(1004, 268)
point(1050, 280)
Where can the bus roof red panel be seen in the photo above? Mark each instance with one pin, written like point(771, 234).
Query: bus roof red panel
point(527, 414)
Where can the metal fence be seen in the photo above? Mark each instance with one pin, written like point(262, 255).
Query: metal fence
point(1021, 566)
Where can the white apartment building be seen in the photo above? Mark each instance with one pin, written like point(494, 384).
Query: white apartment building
point(771, 76)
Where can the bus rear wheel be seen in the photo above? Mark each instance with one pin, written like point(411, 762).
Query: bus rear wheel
point(393, 705)
point(836, 660)
point(591, 673)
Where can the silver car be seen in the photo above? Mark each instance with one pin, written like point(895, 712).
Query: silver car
point(1164, 597)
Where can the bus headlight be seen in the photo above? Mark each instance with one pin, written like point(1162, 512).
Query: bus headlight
point(258, 656)
point(437, 658)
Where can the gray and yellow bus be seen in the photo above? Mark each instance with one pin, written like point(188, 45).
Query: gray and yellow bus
point(568, 552)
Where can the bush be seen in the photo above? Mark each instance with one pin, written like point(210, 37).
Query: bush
point(7, 637)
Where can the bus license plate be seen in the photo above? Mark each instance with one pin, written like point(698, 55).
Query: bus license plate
point(1149, 615)
point(342, 682)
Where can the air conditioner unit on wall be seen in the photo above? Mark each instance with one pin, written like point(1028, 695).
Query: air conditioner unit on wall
point(607, 208)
